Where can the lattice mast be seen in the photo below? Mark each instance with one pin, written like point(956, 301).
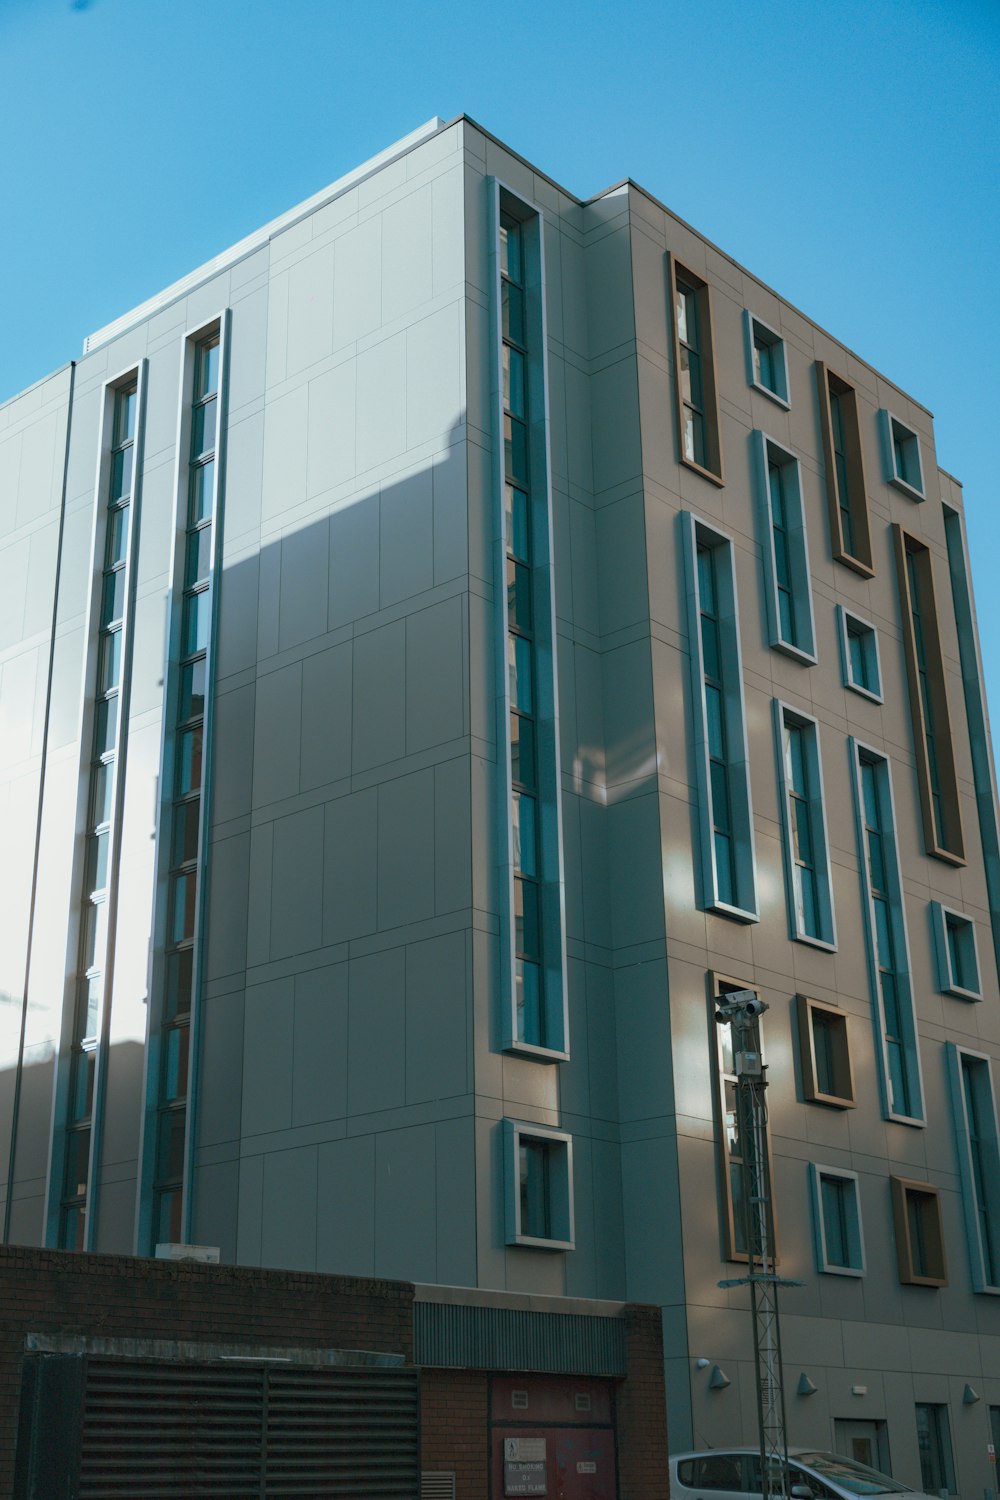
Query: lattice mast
point(741, 1011)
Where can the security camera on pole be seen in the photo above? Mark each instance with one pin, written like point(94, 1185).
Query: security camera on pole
point(741, 1010)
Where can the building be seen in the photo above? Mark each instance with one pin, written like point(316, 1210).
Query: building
point(448, 640)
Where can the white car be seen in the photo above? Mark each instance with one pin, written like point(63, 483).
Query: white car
point(734, 1474)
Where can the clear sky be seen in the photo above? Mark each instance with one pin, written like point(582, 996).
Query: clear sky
point(848, 154)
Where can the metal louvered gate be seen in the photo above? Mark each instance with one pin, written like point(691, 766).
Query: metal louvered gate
point(242, 1430)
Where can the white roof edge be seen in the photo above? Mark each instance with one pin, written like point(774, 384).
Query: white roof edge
point(261, 236)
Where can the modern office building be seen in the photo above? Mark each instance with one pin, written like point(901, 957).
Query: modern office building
point(447, 641)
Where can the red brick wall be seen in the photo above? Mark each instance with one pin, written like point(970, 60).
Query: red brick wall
point(643, 1452)
point(454, 1428)
point(56, 1292)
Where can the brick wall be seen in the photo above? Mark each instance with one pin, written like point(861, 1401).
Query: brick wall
point(454, 1428)
point(643, 1451)
point(58, 1293)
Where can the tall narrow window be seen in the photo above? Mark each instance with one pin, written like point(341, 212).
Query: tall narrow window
point(728, 872)
point(847, 499)
point(785, 550)
point(937, 1466)
point(694, 374)
point(977, 1141)
point(183, 814)
point(807, 856)
point(975, 709)
point(102, 802)
point(538, 1017)
point(729, 1145)
point(888, 949)
point(932, 744)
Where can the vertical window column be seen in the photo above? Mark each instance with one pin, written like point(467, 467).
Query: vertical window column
point(932, 743)
point(977, 1141)
point(888, 949)
point(91, 987)
point(807, 855)
point(536, 1022)
point(785, 550)
point(728, 866)
point(184, 825)
point(847, 498)
point(694, 374)
point(521, 659)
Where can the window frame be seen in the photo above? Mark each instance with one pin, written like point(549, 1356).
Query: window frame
point(776, 342)
point(807, 1008)
point(73, 1196)
point(845, 618)
point(901, 1189)
point(768, 454)
point(897, 930)
point(829, 384)
point(713, 469)
point(785, 715)
point(855, 1230)
point(933, 729)
point(169, 1130)
point(894, 431)
point(942, 1433)
point(697, 533)
point(559, 1151)
point(940, 916)
point(552, 1043)
point(984, 1258)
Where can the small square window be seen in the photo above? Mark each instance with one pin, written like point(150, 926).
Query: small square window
point(956, 953)
point(824, 1053)
point(901, 452)
point(837, 1216)
point(916, 1213)
point(767, 365)
point(859, 656)
point(538, 1182)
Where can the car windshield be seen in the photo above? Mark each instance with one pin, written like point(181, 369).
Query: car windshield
point(855, 1477)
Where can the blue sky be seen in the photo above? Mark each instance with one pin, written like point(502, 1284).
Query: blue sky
point(848, 154)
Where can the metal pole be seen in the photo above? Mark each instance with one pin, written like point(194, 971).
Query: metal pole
point(741, 1011)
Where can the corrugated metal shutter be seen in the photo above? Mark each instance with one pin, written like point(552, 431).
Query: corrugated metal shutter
point(184, 1431)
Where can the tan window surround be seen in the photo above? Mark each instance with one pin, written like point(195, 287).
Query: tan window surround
point(861, 558)
point(903, 1188)
point(718, 985)
point(806, 1008)
point(952, 848)
point(713, 469)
